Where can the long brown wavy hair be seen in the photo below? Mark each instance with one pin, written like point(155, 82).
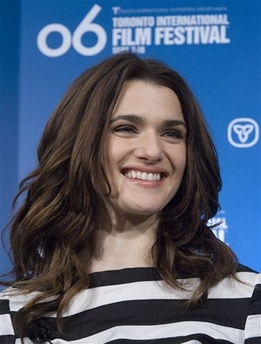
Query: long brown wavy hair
point(52, 234)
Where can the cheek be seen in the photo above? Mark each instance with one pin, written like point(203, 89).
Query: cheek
point(116, 151)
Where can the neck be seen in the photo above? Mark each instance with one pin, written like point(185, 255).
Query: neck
point(126, 243)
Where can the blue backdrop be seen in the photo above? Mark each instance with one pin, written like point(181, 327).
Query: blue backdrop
point(214, 44)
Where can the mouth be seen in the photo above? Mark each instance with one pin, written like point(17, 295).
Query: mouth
point(133, 174)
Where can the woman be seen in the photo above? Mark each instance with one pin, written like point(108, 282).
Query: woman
point(111, 243)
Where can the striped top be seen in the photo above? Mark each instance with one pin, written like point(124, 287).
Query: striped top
point(134, 305)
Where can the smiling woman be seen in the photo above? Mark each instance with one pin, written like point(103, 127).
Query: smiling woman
point(145, 150)
point(111, 243)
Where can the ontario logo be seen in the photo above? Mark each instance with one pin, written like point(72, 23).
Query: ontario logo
point(243, 132)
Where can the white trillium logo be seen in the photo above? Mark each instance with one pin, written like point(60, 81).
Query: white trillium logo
point(243, 132)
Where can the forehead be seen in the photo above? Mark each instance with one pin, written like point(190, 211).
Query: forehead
point(143, 98)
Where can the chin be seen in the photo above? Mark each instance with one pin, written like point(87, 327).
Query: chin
point(144, 211)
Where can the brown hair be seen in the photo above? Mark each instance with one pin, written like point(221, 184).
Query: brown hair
point(53, 232)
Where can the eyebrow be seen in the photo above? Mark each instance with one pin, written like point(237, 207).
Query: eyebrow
point(130, 118)
point(138, 119)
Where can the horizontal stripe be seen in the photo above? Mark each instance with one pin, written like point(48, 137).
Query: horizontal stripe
point(9, 339)
point(162, 331)
point(6, 327)
point(253, 326)
point(98, 297)
point(253, 341)
point(256, 301)
point(122, 276)
point(172, 340)
point(4, 306)
point(129, 275)
point(176, 340)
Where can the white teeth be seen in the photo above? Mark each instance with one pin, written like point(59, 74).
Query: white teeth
point(150, 176)
point(143, 175)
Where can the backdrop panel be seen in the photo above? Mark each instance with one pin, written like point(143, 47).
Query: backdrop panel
point(214, 44)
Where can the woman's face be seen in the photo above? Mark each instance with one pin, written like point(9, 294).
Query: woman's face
point(145, 149)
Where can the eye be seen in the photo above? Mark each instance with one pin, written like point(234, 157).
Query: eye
point(125, 129)
point(173, 135)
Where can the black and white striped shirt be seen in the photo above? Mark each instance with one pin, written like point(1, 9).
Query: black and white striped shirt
point(134, 305)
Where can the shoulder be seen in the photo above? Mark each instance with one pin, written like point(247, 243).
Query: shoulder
point(16, 299)
point(245, 283)
point(11, 301)
point(249, 276)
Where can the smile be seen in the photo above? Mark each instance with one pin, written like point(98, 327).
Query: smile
point(143, 175)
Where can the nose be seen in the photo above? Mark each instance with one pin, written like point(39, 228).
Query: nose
point(149, 148)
